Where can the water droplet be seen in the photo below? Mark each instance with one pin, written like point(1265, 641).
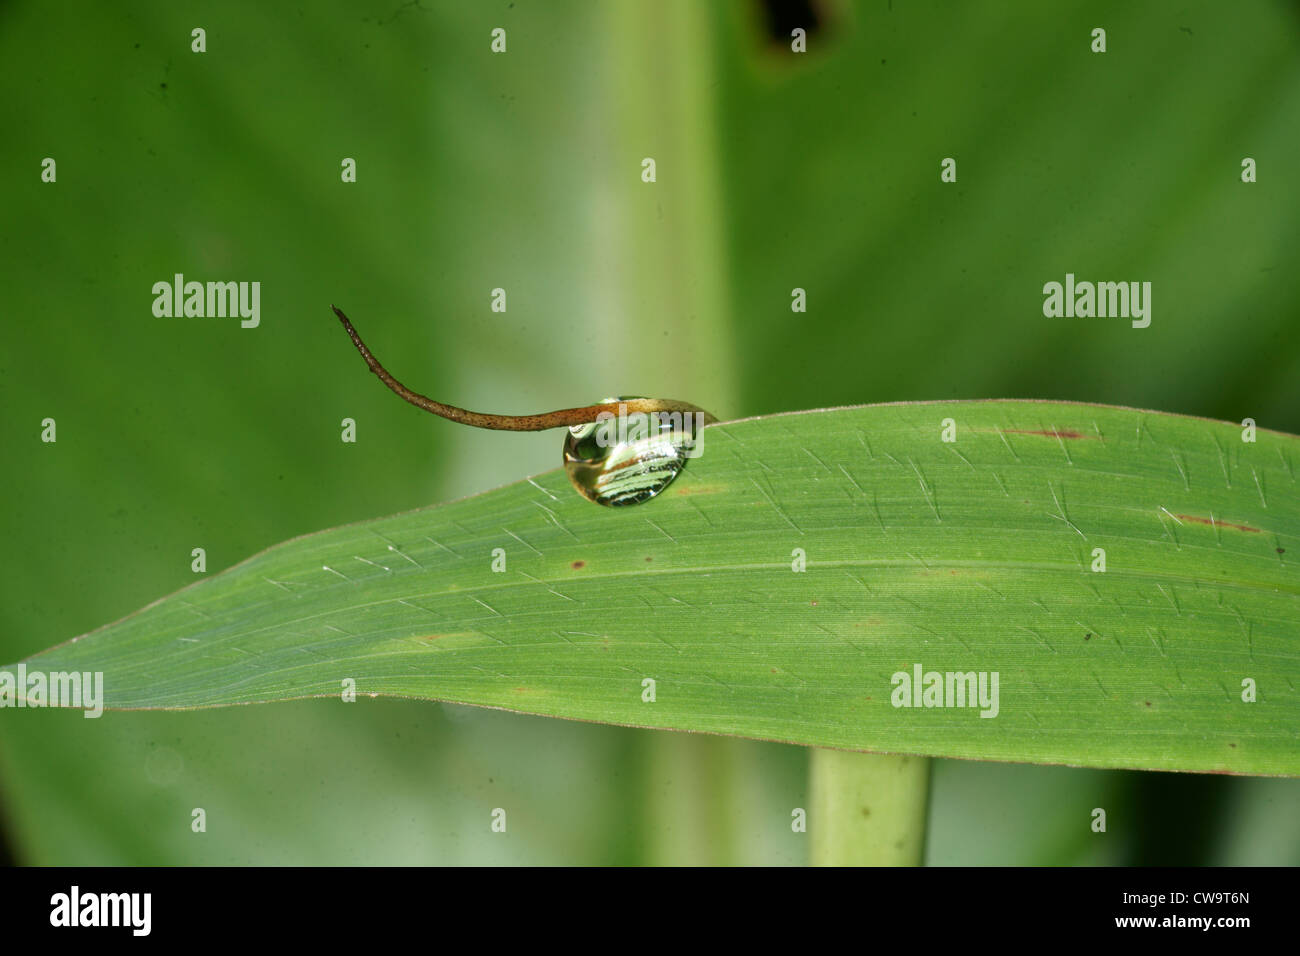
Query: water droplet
point(629, 458)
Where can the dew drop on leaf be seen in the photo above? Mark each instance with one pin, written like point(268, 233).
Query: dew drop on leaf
point(628, 459)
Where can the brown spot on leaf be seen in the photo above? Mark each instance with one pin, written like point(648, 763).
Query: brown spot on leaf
point(1049, 433)
point(579, 564)
point(1215, 522)
point(1281, 550)
point(1087, 636)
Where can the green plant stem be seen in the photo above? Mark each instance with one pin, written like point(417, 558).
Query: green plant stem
point(661, 272)
point(867, 809)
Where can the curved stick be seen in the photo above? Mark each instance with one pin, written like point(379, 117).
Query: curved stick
point(564, 417)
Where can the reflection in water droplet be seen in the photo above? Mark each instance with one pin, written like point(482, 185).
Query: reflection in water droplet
point(630, 458)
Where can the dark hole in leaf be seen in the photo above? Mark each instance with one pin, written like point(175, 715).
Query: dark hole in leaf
point(780, 17)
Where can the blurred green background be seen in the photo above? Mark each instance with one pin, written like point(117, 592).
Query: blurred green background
point(522, 171)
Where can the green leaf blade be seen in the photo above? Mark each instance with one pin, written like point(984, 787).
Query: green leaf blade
point(966, 556)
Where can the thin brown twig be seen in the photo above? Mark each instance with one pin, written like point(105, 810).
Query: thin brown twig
point(563, 417)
